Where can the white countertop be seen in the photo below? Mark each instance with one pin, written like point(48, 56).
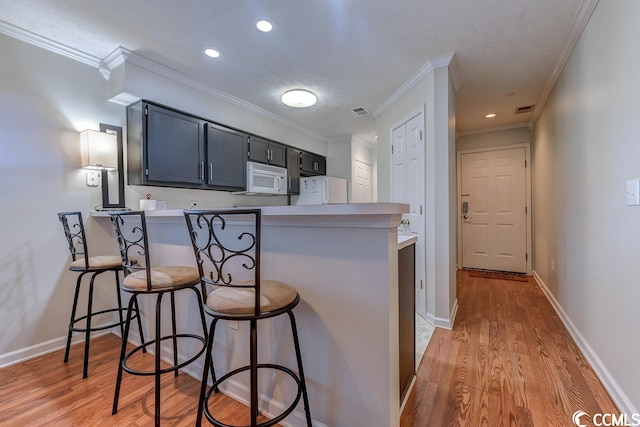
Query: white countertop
point(298, 210)
point(405, 240)
point(368, 215)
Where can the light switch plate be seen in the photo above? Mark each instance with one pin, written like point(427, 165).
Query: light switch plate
point(93, 177)
point(633, 192)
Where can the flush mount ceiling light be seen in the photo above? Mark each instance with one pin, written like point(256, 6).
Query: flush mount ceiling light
point(212, 52)
point(490, 115)
point(299, 98)
point(264, 25)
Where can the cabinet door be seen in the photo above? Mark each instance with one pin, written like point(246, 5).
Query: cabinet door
point(277, 154)
point(226, 157)
point(321, 165)
point(307, 162)
point(293, 171)
point(174, 147)
point(312, 164)
point(258, 149)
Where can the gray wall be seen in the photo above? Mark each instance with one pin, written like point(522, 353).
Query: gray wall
point(585, 149)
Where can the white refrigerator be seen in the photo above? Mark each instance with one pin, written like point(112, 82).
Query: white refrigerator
point(322, 190)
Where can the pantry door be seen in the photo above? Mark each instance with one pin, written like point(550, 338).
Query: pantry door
point(493, 209)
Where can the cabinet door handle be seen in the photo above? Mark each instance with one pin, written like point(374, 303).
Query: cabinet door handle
point(210, 171)
point(201, 171)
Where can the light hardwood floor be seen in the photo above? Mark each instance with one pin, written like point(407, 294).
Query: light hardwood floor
point(508, 362)
point(46, 392)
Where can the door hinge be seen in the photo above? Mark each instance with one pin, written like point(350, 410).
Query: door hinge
point(526, 210)
point(146, 111)
point(421, 284)
point(392, 149)
point(525, 163)
point(420, 209)
point(420, 135)
point(526, 257)
point(146, 172)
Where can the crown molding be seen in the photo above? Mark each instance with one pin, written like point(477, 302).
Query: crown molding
point(494, 129)
point(48, 44)
point(112, 61)
point(164, 71)
point(423, 71)
point(578, 23)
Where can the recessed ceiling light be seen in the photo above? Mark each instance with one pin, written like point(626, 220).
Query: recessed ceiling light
point(490, 115)
point(299, 98)
point(212, 52)
point(264, 25)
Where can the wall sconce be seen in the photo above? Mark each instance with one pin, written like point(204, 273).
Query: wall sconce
point(102, 151)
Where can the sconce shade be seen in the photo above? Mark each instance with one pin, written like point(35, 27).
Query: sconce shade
point(98, 150)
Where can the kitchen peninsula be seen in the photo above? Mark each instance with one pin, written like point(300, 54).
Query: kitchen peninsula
point(343, 260)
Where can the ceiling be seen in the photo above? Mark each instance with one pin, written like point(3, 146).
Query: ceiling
point(350, 53)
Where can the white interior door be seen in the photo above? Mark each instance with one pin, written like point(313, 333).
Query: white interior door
point(493, 210)
point(362, 182)
point(408, 186)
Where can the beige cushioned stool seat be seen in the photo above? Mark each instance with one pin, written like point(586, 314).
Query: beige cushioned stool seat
point(98, 261)
point(273, 295)
point(163, 277)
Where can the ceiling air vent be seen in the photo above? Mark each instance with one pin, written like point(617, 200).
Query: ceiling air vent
point(360, 111)
point(524, 109)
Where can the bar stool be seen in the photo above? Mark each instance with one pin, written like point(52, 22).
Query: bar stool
point(227, 242)
point(84, 264)
point(141, 279)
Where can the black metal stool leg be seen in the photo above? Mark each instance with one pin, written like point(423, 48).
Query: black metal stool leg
point(208, 361)
point(253, 362)
point(175, 332)
point(144, 349)
point(119, 303)
point(303, 383)
point(206, 335)
point(157, 364)
point(73, 317)
point(123, 352)
point(87, 336)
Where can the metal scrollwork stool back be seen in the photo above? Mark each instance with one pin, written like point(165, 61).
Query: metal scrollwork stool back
point(141, 279)
point(227, 244)
point(82, 263)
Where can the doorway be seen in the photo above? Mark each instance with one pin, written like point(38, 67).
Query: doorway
point(494, 194)
point(408, 186)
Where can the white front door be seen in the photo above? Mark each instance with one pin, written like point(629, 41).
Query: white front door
point(494, 211)
point(408, 186)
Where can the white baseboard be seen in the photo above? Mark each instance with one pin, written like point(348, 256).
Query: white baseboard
point(619, 397)
point(443, 322)
point(27, 353)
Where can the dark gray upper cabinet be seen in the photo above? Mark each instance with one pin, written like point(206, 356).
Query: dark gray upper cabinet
point(293, 171)
point(226, 157)
point(165, 147)
point(264, 151)
point(312, 164)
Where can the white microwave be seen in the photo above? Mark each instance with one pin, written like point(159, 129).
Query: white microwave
point(266, 179)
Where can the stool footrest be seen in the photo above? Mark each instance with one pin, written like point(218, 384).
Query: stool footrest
point(100, 327)
point(267, 423)
point(172, 368)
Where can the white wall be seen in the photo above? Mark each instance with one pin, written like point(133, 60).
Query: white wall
point(45, 100)
point(585, 149)
point(435, 92)
point(521, 135)
point(343, 153)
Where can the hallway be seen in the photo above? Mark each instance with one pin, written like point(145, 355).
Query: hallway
point(509, 361)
